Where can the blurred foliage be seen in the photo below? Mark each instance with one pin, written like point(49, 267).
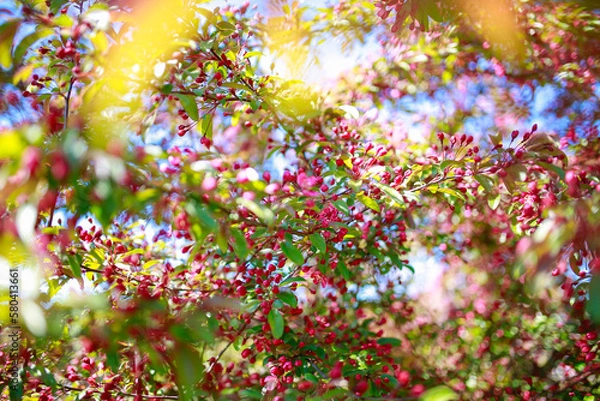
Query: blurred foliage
point(183, 224)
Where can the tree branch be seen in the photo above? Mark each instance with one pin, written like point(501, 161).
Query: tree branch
point(122, 393)
point(67, 100)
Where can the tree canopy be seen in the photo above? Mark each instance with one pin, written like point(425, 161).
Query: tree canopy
point(189, 210)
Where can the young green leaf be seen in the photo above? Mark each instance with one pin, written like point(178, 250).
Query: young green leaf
point(288, 298)
point(368, 202)
point(276, 323)
point(494, 202)
point(439, 393)
point(593, 304)
point(341, 206)
point(226, 27)
point(261, 211)
point(207, 125)
point(486, 182)
point(393, 194)
point(389, 340)
point(25, 43)
point(188, 102)
point(75, 267)
point(452, 192)
point(291, 280)
point(319, 242)
point(292, 253)
point(343, 270)
point(7, 34)
point(240, 246)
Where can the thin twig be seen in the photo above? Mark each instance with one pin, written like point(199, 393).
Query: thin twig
point(432, 182)
point(122, 393)
point(228, 345)
point(67, 100)
point(323, 374)
point(383, 398)
point(51, 216)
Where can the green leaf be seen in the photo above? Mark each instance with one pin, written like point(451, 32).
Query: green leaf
point(146, 195)
point(166, 89)
point(75, 267)
point(261, 211)
point(389, 340)
point(439, 393)
point(375, 252)
point(341, 206)
point(149, 264)
point(395, 259)
point(207, 125)
point(255, 104)
point(292, 253)
point(494, 202)
point(252, 54)
point(311, 378)
point(56, 5)
point(188, 102)
point(189, 369)
point(518, 172)
point(343, 270)
point(368, 202)
point(486, 182)
point(319, 242)
point(553, 168)
point(226, 27)
point(27, 41)
point(206, 219)
point(47, 377)
point(593, 304)
point(336, 392)
point(392, 380)
point(235, 85)
point(98, 254)
point(251, 393)
point(276, 323)
point(213, 323)
point(391, 193)
point(496, 139)
point(432, 10)
point(7, 34)
point(16, 392)
point(509, 183)
point(136, 251)
point(209, 15)
point(409, 267)
point(452, 192)
point(64, 21)
point(221, 239)
point(449, 163)
point(106, 210)
point(288, 298)
point(423, 19)
point(291, 280)
point(113, 358)
point(240, 246)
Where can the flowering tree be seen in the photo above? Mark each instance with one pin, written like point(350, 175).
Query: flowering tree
point(141, 160)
